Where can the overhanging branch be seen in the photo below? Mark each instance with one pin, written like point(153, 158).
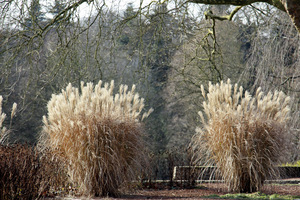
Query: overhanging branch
point(277, 3)
point(208, 14)
point(292, 7)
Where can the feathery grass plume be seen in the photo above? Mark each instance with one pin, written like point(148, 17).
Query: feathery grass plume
point(4, 132)
point(243, 136)
point(99, 134)
point(2, 116)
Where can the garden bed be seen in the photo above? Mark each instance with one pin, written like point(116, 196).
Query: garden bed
point(207, 191)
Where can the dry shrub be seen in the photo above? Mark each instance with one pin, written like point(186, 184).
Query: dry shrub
point(99, 134)
point(25, 173)
point(243, 136)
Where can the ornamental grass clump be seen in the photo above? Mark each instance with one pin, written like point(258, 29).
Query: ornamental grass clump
point(243, 136)
point(98, 134)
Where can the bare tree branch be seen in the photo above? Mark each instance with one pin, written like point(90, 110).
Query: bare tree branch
point(275, 3)
point(292, 7)
point(209, 14)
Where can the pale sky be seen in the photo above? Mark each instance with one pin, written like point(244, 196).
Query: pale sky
point(119, 5)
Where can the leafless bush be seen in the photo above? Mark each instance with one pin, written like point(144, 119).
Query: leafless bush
point(98, 134)
point(243, 136)
point(27, 174)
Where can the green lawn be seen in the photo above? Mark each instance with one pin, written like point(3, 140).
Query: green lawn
point(256, 195)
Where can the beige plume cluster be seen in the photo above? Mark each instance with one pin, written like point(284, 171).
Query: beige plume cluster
point(99, 134)
point(3, 130)
point(243, 135)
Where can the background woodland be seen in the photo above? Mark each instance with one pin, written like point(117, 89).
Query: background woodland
point(167, 49)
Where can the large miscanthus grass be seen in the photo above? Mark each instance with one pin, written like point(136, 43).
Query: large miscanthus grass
point(99, 135)
point(243, 136)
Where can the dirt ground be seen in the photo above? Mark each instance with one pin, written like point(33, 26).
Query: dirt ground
point(200, 192)
point(206, 190)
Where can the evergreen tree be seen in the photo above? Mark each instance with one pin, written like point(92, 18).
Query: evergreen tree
point(59, 5)
point(35, 15)
point(159, 51)
point(129, 12)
